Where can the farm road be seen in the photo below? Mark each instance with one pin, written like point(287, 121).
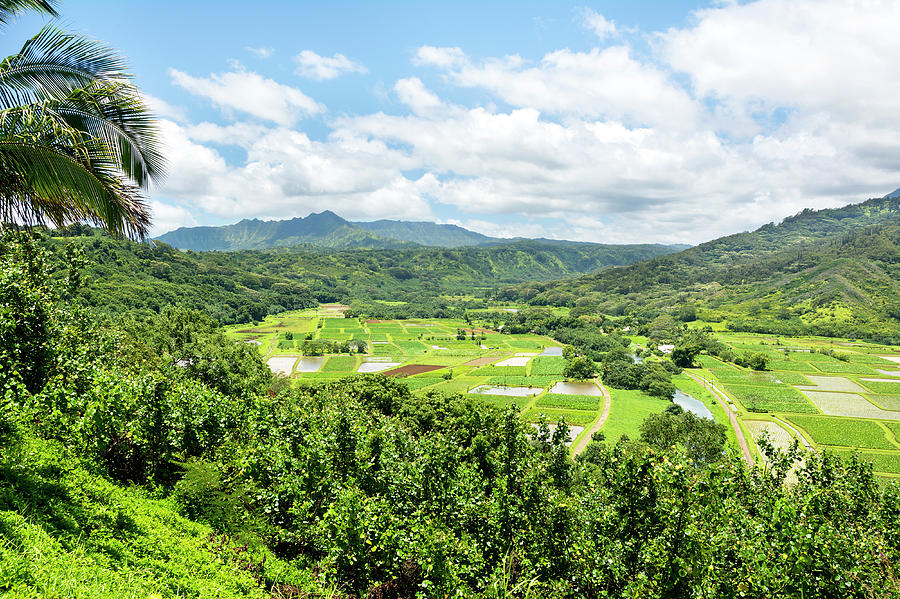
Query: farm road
point(600, 421)
point(723, 401)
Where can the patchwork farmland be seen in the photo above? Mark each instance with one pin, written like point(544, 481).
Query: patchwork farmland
point(825, 393)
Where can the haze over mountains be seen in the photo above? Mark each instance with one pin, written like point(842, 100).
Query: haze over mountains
point(328, 230)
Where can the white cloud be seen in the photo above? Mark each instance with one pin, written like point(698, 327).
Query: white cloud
point(413, 93)
point(163, 109)
point(439, 57)
point(310, 64)
point(262, 53)
point(251, 93)
point(752, 112)
point(607, 83)
point(167, 217)
point(600, 25)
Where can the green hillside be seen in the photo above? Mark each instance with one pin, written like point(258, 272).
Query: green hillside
point(247, 285)
point(158, 459)
point(830, 272)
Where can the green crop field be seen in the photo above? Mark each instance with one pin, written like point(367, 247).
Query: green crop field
point(770, 398)
point(573, 417)
point(881, 462)
point(570, 402)
point(343, 364)
point(829, 430)
point(548, 365)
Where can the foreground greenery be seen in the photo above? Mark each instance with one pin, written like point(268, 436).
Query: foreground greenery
point(362, 487)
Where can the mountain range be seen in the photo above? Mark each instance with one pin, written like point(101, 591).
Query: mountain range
point(327, 230)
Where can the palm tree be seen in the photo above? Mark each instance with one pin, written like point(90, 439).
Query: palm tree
point(77, 141)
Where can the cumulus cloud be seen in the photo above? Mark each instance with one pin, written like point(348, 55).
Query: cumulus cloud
point(601, 83)
point(752, 112)
point(310, 64)
point(251, 93)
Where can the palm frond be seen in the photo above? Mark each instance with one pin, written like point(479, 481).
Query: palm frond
point(9, 9)
point(115, 113)
point(39, 183)
point(54, 63)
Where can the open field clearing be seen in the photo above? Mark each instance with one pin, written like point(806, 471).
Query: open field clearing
point(627, 411)
point(849, 404)
point(520, 361)
point(548, 365)
point(827, 430)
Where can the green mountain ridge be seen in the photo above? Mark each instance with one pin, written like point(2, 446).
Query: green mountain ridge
point(828, 271)
point(329, 231)
point(248, 284)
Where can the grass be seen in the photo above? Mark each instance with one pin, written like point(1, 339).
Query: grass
point(770, 398)
point(571, 402)
point(845, 432)
point(627, 411)
point(65, 532)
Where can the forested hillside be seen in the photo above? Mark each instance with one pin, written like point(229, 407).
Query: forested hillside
point(247, 285)
point(829, 272)
point(150, 457)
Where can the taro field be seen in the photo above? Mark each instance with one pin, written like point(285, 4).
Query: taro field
point(839, 395)
point(437, 354)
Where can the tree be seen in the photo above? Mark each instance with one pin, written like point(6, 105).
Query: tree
point(77, 141)
point(683, 355)
point(580, 368)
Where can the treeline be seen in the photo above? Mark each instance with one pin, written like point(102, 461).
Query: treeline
point(358, 488)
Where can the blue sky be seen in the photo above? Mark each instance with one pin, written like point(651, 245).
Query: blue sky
point(602, 121)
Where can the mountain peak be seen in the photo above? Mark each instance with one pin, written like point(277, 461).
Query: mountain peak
point(893, 195)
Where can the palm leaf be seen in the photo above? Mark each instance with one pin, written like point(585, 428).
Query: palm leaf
point(9, 9)
point(54, 63)
point(115, 113)
point(41, 183)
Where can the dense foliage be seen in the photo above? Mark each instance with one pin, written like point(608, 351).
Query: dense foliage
point(361, 485)
point(247, 285)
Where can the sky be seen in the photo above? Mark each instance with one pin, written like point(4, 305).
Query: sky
point(612, 122)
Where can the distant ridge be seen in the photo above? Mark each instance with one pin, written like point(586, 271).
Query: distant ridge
point(329, 231)
point(893, 195)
